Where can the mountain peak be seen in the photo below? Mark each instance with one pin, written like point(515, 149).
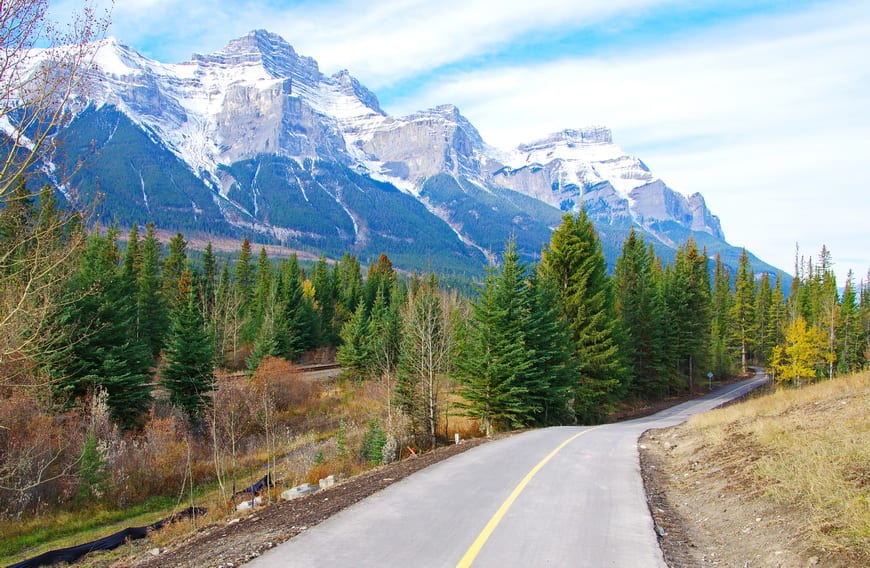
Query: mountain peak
point(351, 86)
point(261, 47)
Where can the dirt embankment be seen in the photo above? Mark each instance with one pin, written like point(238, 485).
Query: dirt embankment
point(780, 481)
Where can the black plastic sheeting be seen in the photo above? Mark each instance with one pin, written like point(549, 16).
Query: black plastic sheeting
point(266, 481)
point(110, 542)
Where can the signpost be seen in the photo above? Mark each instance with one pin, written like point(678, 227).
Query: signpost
point(710, 377)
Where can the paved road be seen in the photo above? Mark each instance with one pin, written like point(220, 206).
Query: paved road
point(569, 496)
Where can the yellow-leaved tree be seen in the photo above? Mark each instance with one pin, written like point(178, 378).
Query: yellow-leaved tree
point(802, 355)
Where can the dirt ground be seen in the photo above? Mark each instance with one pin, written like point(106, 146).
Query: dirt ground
point(710, 511)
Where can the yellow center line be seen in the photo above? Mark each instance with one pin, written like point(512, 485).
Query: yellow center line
point(484, 535)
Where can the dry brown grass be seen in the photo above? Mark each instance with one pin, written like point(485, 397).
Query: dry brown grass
point(813, 453)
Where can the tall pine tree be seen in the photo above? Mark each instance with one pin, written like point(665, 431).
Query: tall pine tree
point(575, 261)
point(188, 370)
point(494, 362)
point(99, 346)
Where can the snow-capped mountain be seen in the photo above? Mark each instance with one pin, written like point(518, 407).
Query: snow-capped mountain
point(255, 139)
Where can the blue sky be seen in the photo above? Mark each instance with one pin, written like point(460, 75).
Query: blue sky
point(761, 106)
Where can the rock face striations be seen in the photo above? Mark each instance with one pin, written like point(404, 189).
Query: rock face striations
point(255, 139)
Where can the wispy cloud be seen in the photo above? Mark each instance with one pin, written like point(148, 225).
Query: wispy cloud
point(768, 119)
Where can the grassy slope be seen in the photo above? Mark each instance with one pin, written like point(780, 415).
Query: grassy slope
point(793, 467)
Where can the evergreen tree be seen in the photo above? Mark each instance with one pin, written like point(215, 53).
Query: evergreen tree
point(494, 362)
point(324, 297)
point(742, 313)
point(99, 347)
point(778, 318)
point(553, 372)
point(574, 259)
point(762, 309)
point(133, 254)
point(244, 277)
point(294, 323)
point(263, 300)
point(720, 323)
point(354, 353)
point(152, 305)
point(637, 308)
point(208, 283)
point(347, 279)
point(188, 371)
point(851, 338)
point(826, 306)
point(385, 324)
point(380, 278)
point(174, 267)
point(688, 310)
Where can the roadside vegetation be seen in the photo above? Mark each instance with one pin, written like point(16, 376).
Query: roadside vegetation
point(788, 471)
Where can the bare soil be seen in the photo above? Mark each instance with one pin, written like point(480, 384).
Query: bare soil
point(710, 510)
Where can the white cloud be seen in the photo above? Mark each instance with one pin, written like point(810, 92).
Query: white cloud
point(768, 120)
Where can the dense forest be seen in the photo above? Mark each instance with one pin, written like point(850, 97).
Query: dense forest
point(116, 349)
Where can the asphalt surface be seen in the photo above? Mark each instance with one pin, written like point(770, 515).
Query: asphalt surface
point(568, 496)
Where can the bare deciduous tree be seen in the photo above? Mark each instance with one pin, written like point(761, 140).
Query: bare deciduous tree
point(44, 72)
point(44, 68)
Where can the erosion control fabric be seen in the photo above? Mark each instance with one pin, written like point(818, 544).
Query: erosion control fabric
point(110, 542)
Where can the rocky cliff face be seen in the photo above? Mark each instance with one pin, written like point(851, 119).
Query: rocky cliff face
point(252, 119)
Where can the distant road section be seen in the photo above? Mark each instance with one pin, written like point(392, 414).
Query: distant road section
point(568, 496)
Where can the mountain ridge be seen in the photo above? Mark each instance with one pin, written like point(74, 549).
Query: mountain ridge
point(264, 131)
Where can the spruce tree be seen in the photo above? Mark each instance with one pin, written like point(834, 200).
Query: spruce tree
point(294, 314)
point(174, 267)
point(852, 341)
point(551, 377)
point(720, 323)
point(742, 313)
point(575, 260)
point(244, 277)
point(324, 297)
point(208, 282)
point(188, 371)
point(494, 362)
point(262, 301)
point(354, 353)
point(385, 323)
point(151, 301)
point(688, 310)
point(99, 347)
point(380, 278)
point(637, 307)
point(763, 302)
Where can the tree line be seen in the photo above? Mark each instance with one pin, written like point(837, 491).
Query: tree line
point(559, 342)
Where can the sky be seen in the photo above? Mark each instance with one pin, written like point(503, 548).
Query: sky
point(761, 106)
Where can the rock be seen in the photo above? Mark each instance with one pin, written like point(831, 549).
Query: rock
point(814, 560)
point(249, 504)
point(298, 491)
point(327, 481)
point(390, 451)
point(154, 552)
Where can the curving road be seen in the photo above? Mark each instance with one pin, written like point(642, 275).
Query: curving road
point(569, 496)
